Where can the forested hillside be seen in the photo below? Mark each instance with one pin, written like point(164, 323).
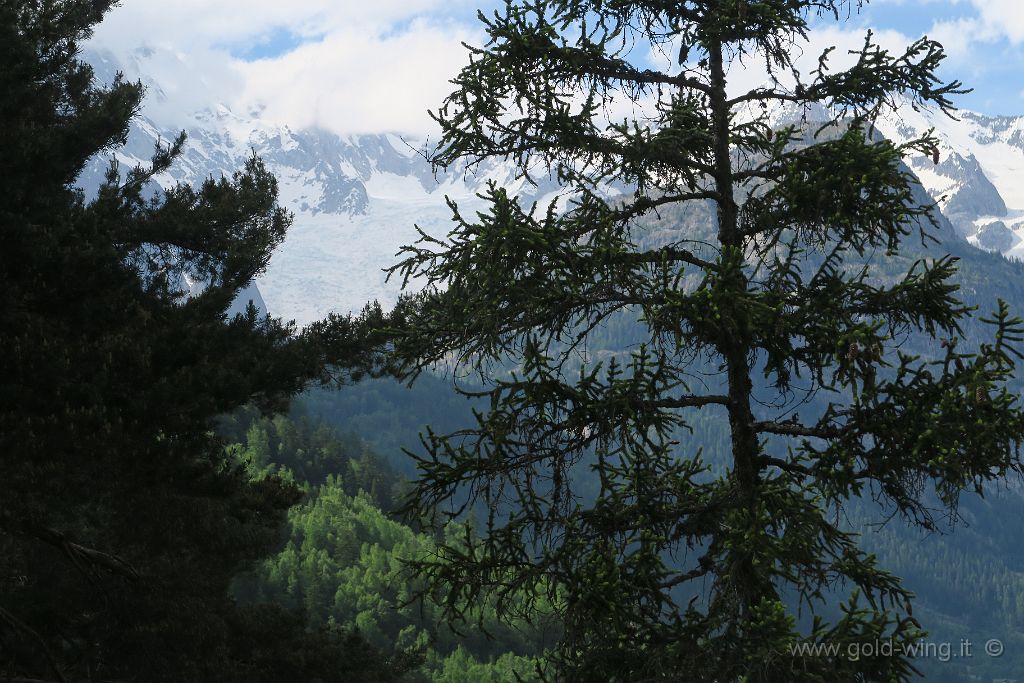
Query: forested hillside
point(966, 575)
point(344, 558)
point(739, 392)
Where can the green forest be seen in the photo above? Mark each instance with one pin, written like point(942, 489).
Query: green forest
point(343, 561)
point(967, 580)
point(743, 411)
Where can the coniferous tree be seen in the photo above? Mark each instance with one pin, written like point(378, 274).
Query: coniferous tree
point(122, 519)
point(768, 317)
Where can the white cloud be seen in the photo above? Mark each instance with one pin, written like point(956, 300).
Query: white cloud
point(354, 82)
point(1002, 18)
point(750, 72)
point(361, 66)
point(379, 65)
point(188, 23)
point(992, 20)
point(958, 37)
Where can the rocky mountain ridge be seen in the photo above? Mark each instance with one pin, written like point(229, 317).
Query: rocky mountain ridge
point(357, 199)
point(977, 181)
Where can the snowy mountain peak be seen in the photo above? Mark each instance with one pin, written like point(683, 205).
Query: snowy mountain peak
point(977, 180)
point(358, 198)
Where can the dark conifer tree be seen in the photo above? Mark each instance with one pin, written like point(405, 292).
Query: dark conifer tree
point(676, 570)
point(122, 520)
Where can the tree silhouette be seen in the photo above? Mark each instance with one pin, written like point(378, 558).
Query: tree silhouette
point(122, 518)
point(770, 289)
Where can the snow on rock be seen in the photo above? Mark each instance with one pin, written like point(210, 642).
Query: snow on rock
point(980, 160)
point(975, 181)
point(995, 236)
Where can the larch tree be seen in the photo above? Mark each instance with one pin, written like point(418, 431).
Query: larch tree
point(669, 567)
point(122, 517)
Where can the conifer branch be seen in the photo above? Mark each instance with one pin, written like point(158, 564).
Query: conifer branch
point(688, 402)
point(83, 558)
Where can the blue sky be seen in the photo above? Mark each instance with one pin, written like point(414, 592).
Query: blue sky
point(983, 39)
point(278, 41)
point(358, 66)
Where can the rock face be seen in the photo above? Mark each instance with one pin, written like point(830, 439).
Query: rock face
point(977, 180)
point(995, 236)
point(969, 195)
point(356, 199)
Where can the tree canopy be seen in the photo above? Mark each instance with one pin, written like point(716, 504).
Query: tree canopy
point(751, 251)
point(122, 517)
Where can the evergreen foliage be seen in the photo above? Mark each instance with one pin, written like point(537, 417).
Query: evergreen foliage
point(343, 563)
point(122, 517)
point(308, 451)
point(676, 570)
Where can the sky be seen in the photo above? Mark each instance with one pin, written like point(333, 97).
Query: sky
point(372, 66)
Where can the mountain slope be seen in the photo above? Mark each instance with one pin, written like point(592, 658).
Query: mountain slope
point(977, 180)
point(357, 199)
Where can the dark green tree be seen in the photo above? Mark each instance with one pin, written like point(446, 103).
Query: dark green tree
point(122, 518)
point(770, 315)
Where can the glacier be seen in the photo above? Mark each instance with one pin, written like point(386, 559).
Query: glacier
point(358, 199)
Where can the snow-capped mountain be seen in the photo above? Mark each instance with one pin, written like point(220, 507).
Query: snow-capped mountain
point(975, 180)
point(978, 181)
point(357, 199)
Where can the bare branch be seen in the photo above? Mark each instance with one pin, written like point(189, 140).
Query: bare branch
point(82, 557)
point(796, 429)
point(703, 568)
point(644, 204)
point(614, 71)
point(786, 465)
point(760, 94)
point(689, 402)
point(670, 254)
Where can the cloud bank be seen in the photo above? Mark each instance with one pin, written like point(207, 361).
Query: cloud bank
point(360, 67)
point(349, 67)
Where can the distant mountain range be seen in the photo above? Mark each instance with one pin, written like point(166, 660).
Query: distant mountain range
point(979, 179)
point(357, 199)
